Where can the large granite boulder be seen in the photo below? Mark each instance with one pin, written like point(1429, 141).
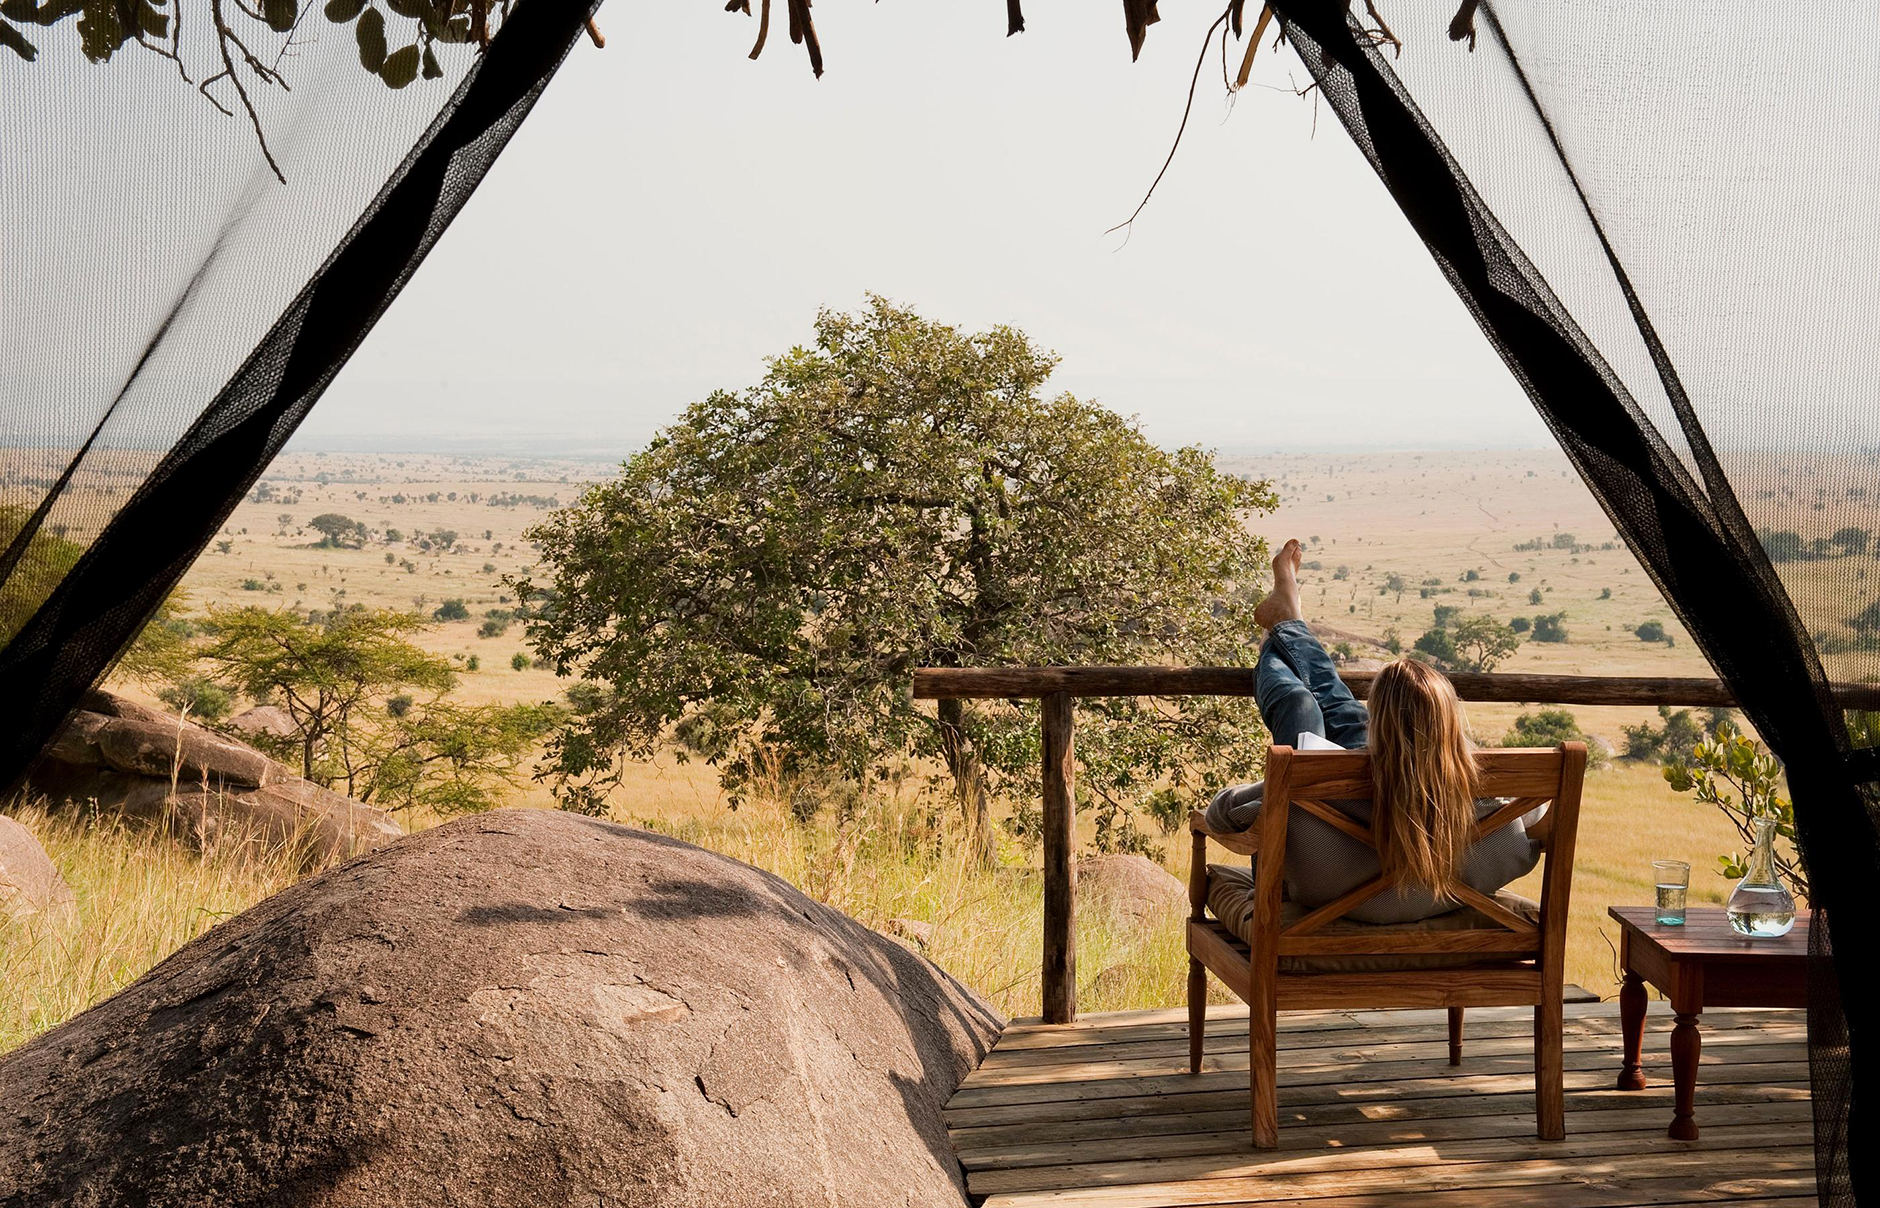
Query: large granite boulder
point(29, 882)
point(138, 760)
point(521, 1008)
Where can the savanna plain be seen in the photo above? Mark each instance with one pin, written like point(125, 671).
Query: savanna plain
point(1389, 537)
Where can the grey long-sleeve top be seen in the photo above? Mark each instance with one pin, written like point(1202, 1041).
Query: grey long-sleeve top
point(1323, 863)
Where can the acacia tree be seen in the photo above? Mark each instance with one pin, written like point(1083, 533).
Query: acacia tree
point(1482, 643)
point(346, 682)
point(338, 531)
point(768, 572)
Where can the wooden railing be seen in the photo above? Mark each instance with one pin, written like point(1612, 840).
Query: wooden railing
point(1058, 687)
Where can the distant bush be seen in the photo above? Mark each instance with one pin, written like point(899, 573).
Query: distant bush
point(338, 531)
point(519, 661)
point(202, 699)
point(1784, 546)
point(1551, 727)
point(452, 610)
point(1605, 593)
point(1674, 740)
point(1437, 647)
point(1650, 631)
point(1520, 624)
point(1534, 596)
point(492, 629)
point(253, 585)
point(1550, 628)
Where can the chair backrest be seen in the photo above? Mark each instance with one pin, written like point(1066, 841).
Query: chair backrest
point(1311, 781)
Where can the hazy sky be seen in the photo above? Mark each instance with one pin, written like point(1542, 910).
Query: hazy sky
point(673, 213)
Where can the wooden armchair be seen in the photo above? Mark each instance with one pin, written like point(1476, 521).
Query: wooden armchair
point(1505, 957)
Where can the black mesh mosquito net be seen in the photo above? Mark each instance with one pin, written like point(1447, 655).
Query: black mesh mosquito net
point(1660, 213)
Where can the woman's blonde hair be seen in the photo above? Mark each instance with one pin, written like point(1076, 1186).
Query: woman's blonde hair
point(1423, 773)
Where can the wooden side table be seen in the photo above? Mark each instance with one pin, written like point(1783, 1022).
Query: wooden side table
point(1702, 962)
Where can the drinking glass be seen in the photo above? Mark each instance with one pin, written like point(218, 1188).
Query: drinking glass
point(1673, 878)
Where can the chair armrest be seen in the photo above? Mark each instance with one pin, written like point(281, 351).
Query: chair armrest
point(1246, 843)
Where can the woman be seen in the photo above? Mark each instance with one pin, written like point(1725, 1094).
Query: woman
point(1422, 770)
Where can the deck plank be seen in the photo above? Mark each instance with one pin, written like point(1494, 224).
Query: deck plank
point(1102, 1114)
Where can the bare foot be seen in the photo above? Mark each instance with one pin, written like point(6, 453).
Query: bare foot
point(1283, 603)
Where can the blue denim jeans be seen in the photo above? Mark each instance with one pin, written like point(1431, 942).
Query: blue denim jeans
point(1298, 689)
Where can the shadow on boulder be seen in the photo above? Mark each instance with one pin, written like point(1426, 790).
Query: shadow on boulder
point(526, 1007)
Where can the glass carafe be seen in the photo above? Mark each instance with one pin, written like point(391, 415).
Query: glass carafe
point(1761, 907)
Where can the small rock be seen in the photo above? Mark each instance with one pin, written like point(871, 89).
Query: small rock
point(1107, 989)
point(269, 720)
point(1135, 890)
point(912, 929)
point(29, 884)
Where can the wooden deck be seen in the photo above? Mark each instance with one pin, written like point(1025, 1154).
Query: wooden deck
point(1104, 1112)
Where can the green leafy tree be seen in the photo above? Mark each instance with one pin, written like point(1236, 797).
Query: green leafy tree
point(1482, 643)
point(898, 494)
point(452, 610)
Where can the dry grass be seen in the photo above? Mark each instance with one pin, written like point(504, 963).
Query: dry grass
point(140, 894)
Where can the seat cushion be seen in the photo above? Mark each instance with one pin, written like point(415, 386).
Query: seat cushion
point(1230, 899)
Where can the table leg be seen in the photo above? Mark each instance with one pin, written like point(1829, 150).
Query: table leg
point(1632, 1027)
point(1684, 1050)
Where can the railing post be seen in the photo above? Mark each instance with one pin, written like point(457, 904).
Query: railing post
point(1060, 870)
